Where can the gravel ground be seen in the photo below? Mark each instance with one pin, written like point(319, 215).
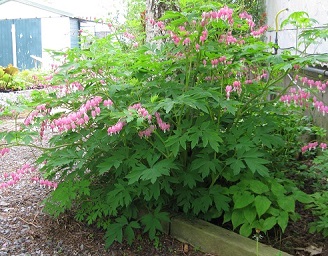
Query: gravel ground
point(12, 96)
point(26, 230)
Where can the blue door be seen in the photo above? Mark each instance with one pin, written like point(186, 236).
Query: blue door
point(74, 28)
point(27, 41)
point(6, 49)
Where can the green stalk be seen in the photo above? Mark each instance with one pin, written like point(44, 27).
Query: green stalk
point(246, 106)
point(188, 73)
point(196, 69)
point(16, 138)
point(216, 177)
point(271, 101)
point(161, 139)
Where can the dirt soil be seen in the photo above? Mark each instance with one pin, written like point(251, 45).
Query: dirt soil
point(297, 240)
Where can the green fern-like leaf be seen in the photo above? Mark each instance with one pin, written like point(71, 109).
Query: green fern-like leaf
point(152, 222)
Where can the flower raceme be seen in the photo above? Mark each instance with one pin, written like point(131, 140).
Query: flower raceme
point(320, 106)
point(41, 109)
point(248, 18)
point(80, 117)
point(228, 91)
point(11, 179)
point(320, 85)
point(162, 125)
point(129, 35)
point(313, 145)
point(90, 109)
point(147, 133)
point(184, 37)
point(224, 13)
point(45, 183)
point(141, 113)
point(4, 151)
point(236, 86)
point(115, 129)
point(251, 24)
point(204, 36)
point(300, 97)
point(260, 31)
point(159, 24)
point(229, 39)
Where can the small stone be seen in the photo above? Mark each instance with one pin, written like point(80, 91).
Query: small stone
point(8, 209)
point(185, 248)
point(2, 203)
point(60, 243)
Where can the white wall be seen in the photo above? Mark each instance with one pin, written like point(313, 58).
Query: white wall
point(15, 10)
point(55, 30)
point(90, 9)
point(316, 9)
point(55, 36)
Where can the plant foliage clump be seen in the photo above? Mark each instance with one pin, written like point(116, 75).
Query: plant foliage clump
point(191, 125)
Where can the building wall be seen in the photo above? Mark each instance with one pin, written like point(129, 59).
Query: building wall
point(57, 32)
point(19, 39)
point(28, 41)
point(287, 38)
point(55, 36)
point(32, 39)
point(74, 32)
point(15, 10)
point(6, 46)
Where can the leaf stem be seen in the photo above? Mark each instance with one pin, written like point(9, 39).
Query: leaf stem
point(247, 106)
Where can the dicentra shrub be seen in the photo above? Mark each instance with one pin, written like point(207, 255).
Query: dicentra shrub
point(192, 125)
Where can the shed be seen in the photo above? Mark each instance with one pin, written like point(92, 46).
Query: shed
point(28, 28)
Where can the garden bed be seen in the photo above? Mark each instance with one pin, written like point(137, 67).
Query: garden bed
point(193, 130)
point(26, 229)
